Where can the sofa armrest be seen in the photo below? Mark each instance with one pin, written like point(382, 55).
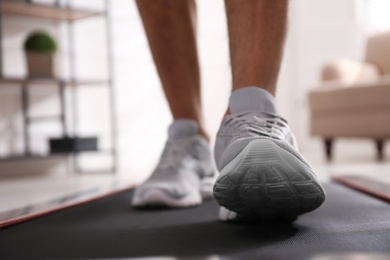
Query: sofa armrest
point(337, 95)
point(349, 71)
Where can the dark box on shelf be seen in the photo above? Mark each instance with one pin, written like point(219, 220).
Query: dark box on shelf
point(73, 144)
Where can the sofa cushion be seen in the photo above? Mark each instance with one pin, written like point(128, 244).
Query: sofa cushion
point(349, 71)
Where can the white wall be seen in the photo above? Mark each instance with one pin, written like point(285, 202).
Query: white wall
point(319, 31)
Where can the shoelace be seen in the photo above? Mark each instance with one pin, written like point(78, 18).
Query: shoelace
point(173, 154)
point(261, 124)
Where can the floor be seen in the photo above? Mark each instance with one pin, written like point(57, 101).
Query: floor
point(378, 171)
point(25, 198)
point(16, 193)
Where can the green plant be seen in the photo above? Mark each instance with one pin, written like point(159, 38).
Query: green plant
point(40, 42)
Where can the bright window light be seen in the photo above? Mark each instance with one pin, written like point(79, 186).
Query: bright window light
point(378, 15)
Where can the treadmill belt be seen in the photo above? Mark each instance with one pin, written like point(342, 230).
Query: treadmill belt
point(110, 228)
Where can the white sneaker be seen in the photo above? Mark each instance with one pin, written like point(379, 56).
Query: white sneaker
point(262, 175)
point(184, 174)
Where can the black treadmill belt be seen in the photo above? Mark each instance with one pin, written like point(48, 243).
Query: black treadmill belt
point(110, 228)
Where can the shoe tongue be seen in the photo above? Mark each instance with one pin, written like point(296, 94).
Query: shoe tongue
point(182, 128)
point(252, 99)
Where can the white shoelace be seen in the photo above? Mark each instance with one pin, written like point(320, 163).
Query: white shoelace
point(173, 154)
point(262, 124)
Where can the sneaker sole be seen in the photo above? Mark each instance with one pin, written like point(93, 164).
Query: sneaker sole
point(266, 182)
point(159, 198)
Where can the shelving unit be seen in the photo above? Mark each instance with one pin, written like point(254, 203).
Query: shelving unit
point(66, 13)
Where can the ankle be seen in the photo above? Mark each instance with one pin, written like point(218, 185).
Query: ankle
point(204, 134)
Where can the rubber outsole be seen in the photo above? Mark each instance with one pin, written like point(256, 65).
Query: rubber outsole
point(160, 198)
point(266, 182)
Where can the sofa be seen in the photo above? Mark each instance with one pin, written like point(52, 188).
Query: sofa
point(353, 98)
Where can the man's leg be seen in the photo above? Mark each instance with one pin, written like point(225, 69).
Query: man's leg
point(257, 30)
point(170, 26)
point(185, 169)
point(262, 175)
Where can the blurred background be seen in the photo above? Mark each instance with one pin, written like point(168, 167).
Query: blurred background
point(320, 33)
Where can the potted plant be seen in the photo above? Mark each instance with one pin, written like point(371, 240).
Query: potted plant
point(40, 48)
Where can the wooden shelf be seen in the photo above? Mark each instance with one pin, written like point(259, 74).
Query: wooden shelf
point(51, 12)
point(50, 81)
point(21, 157)
point(43, 118)
point(32, 157)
